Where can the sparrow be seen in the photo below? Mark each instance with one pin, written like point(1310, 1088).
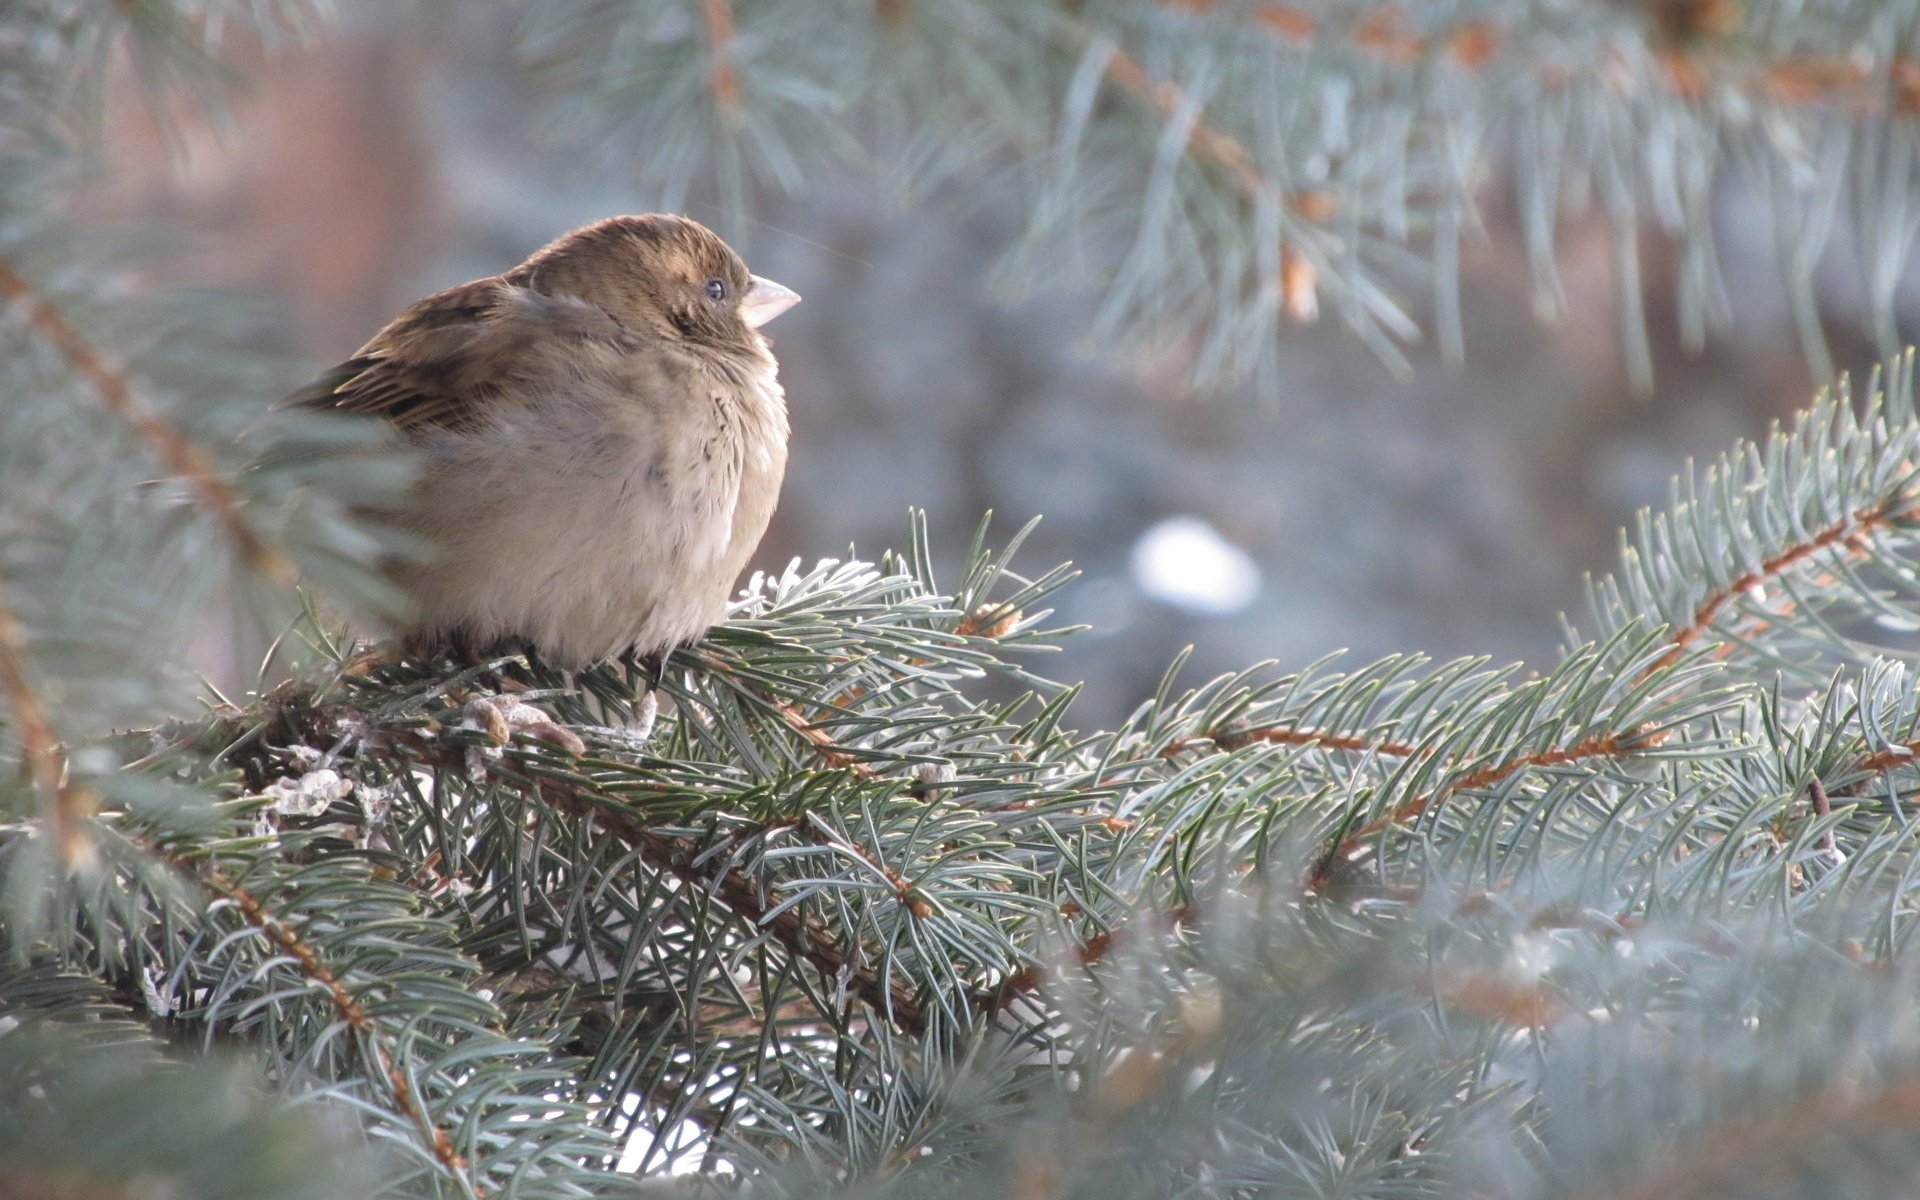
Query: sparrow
point(602, 435)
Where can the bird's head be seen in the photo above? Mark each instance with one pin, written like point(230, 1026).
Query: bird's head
point(664, 274)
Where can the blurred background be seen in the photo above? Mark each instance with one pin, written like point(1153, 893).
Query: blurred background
point(1454, 511)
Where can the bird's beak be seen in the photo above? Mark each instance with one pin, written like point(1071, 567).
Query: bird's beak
point(766, 300)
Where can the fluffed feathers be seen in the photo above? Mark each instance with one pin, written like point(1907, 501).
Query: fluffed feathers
point(604, 438)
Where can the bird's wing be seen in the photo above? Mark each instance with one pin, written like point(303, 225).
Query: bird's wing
point(442, 362)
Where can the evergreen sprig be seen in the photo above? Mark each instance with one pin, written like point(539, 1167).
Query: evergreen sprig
point(838, 900)
point(1295, 156)
point(863, 912)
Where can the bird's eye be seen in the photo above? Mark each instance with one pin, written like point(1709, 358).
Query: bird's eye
point(716, 290)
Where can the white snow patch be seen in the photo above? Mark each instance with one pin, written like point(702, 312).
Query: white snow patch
point(1183, 561)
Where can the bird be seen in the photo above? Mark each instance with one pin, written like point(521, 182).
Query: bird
point(601, 435)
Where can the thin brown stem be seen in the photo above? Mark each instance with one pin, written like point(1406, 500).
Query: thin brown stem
point(349, 1009)
point(823, 743)
point(723, 76)
point(1696, 43)
point(166, 443)
point(65, 807)
point(1293, 735)
point(804, 937)
point(1492, 998)
point(1095, 948)
point(1851, 534)
point(1822, 807)
point(1221, 149)
point(1901, 754)
point(1299, 277)
point(1599, 746)
point(1742, 1145)
point(1212, 145)
point(23, 1182)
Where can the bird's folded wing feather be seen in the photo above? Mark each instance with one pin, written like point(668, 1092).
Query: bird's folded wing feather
point(442, 362)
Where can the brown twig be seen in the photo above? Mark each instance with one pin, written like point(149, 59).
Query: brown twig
point(1690, 41)
point(345, 1006)
point(1480, 995)
point(1208, 143)
point(1386, 36)
point(66, 806)
point(1293, 735)
point(1492, 998)
point(1849, 533)
point(1901, 754)
point(823, 743)
point(1604, 746)
point(1299, 277)
point(723, 76)
point(170, 446)
point(1223, 150)
point(23, 1182)
point(1822, 807)
point(1747, 1139)
point(1027, 979)
point(802, 936)
point(1598, 746)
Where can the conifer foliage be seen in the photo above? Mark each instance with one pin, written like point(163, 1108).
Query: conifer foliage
point(867, 913)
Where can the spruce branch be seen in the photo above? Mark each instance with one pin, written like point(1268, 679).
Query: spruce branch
point(1746, 1143)
point(728, 888)
point(1087, 953)
point(1785, 555)
point(1298, 275)
point(96, 1107)
point(1283, 735)
point(381, 1011)
point(758, 907)
point(788, 711)
point(65, 804)
point(347, 1007)
point(1695, 44)
point(1598, 746)
point(1900, 755)
point(173, 450)
point(1227, 166)
point(1850, 535)
point(685, 858)
point(1621, 926)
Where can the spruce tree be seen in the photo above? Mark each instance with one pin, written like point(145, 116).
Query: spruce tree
point(869, 913)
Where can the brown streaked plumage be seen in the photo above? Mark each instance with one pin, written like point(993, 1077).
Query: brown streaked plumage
point(604, 437)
